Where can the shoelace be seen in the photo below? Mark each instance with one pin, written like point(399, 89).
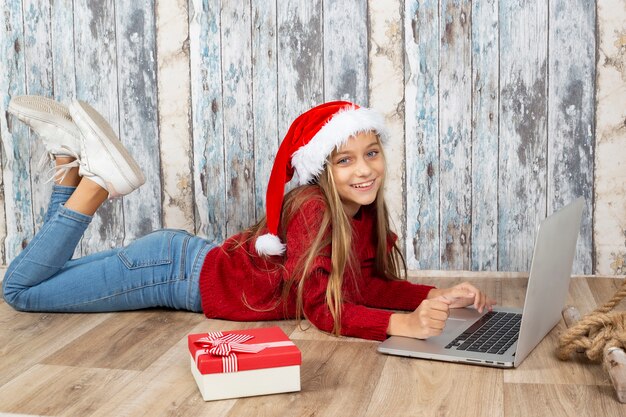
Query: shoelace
point(62, 169)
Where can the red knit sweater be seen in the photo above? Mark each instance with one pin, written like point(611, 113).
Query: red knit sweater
point(237, 284)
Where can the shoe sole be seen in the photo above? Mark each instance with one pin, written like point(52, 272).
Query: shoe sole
point(88, 118)
point(40, 108)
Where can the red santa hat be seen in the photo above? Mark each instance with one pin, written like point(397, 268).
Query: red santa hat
point(310, 139)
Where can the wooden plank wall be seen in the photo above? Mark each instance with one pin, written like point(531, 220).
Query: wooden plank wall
point(609, 223)
point(485, 123)
point(523, 140)
point(571, 122)
point(491, 105)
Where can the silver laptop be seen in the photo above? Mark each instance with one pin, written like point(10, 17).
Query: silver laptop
point(503, 338)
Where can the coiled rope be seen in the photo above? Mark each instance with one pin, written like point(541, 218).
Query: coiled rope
point(597, 332)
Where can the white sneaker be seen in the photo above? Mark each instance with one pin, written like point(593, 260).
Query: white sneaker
point(103, 158)
point(50, 120)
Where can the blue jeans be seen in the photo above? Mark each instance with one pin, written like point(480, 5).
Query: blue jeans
point(161, 269)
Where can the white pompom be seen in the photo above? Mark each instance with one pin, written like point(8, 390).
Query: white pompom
point(269, 244)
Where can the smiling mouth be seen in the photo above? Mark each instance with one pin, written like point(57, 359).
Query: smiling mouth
point(363, 185)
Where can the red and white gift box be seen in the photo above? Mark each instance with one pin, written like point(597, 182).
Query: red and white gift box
point(243, 363)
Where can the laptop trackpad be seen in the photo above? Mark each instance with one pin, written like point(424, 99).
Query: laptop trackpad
point(458, 321)
point(464, 314)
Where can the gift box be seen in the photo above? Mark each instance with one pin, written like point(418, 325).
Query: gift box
point(244, 363)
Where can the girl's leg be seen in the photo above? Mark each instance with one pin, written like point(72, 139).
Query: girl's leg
point(158, 270)
point(44, 256)
point(64, 185)
point(51, 249)
point(87, 197)
point(107, 165)
point(60, 194)
point(161, 269)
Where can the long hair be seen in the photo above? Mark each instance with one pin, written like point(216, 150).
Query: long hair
point(335, 229)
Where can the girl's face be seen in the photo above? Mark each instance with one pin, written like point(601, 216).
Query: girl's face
point(358, 168)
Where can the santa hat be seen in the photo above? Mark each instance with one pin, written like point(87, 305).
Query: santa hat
point(310, 139)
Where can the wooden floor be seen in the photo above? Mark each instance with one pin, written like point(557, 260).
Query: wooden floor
point(136, 364)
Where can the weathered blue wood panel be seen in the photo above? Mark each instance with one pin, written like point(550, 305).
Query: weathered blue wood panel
point(264, 96)
point(422, 42)
point(97, 84)
point(345, 51)
point(570, 115)
point(523, 139)
point(300, 57)
point(136, 63)
point(38, 59)
point(63, 56)
point(207, 123)
point(14, 134)
point(455, 145)
point(237, 111)
point(485, 116)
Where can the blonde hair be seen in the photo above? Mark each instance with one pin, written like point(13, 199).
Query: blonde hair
point(335, 229)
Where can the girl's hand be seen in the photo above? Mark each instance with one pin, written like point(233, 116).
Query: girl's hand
point(463, 295)
point(426, 321)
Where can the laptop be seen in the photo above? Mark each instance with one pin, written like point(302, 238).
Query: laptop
point(503, 338)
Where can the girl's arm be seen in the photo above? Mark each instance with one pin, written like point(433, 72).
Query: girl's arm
point(403, 295)
point(430, 317)
point(464, 295)
point(427, 320)
point(394, 295)
point(356, 320)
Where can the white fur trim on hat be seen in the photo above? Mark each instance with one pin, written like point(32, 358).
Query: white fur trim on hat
point(309, 160)
point(269, 244)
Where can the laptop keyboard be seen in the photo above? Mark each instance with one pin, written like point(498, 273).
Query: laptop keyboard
point(494, 332)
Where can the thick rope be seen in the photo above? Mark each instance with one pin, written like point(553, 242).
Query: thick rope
point(597, 332)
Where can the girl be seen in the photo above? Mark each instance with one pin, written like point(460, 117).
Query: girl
point(324, 251)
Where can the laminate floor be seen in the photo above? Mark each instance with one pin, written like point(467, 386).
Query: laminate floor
point(137, 364)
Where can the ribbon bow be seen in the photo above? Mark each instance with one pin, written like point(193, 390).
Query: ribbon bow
point(218, 344)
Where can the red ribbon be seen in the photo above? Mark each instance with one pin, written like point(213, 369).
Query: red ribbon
point(218, 344)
